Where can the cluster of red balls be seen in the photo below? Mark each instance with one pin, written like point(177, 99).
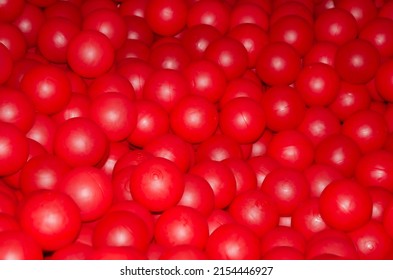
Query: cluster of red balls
point(185, 129)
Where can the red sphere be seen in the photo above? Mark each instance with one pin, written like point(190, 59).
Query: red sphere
point(74, 251)
point(52, 218)
point(284, 108)
point(10, 9)
point(194, 119)
point(42, 172)
point(43, 131)
point(242, 87)
point(197, 194)
point(220, 179)
point(248, 13)
point(181, 225)
point(48, 88)
point(157, 184)
point(12, 38)
point(80, 142)
point(377, 32)
point(321, 52)
point(367, 128)
point(345, 205)
point(91, 190)
point(292, 149)
point(244, 174)
point(115, 114)
point(183, 252)
point(278, 64)
point(152, 121)
point(217, 218)
point(14, 149)
point(384, 81)
point(90, 54)
point(362, 11)
point(242, 119)
point(7, 62)
point(255, 210)
point(78, 106)
point(357, 61)
point(230, 55)
point(282, 236)
point(319, 176)
point(233, 242)
point(381, 198)
point(121, 229)
point(18, 245)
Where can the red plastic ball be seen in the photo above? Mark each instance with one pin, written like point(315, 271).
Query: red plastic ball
point(14, 149)
point(383, 80)
point(230, 55)
point(12, 38)
point(248, 13)
point(256, 210)
point(91, 190)
point(52, 218)
point(220, 179)
point(242, 119)
point(357, 61)
point(10, 9)
point(288, 188)
point(183, 252)
point(292, 149)
point(116, 253)
point(362, 11)
point(8, 223)
point(278, 64)
point(197, 194)
point(321, 52)
point(65, 9)
point(345, 205)
point(121, 229)
point(284, 108)
point(194, 119)
point(233, 242)
point(74, 251)
point(372, 241)
point(78, 107)
point(206, 79)
point(54, 38)
point(43, 131)
point(157, 184)
point(138, 29)
point(90, 54)
point(42, 172)
point(282, 236)
point(18, 245)
point(319, 176)
point(367, 128)
point(181, 225)
point(166, 18)
point(46, 84)
point(377, 32)
point(381, 198)
point(7, 62)
point(108, 22)
point(283, 253)
point(245, 176)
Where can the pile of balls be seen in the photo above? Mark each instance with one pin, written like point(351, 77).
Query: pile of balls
point(186, 129)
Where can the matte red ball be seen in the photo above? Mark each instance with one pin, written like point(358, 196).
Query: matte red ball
point(214, 13)
point(115, 114)
point(152, 121)
point(181, 225)
point(91, 190)
point(133, 157)
point(321, 52)
point(283, 107)
point(8, 223)
point(298, 8)
point(217, 218)
point(183, 252)
point(283, 253)
point(345, 205)
point(288, 188)
point(51, 217)
point(194, 119)
point(319, 123)
point(233, 242)
point(293, 30)
point(383, 80)
point(230, 55)
point(218, 147)
point(262, 166)
point(12, 38)
point(121, 229)
point(7, 62)
point(255, 210)
point(220, 179)
point(80, 142)
point(340, 152)
point(54, 38)
point(14, 149)
point(243, 120)
point(10, 9)
point(335, 25)
point(90, 54)
point(121, 184)
point(282, 236)
point(78, 107)
point(242, 87)
point(350, 99)
point(170, 55)
point(74, 251)
point(132, 49)
point(65, 9)
point(197, 194)
point(381, 199)
point(244, 174)
point(42, 172)
point(166, 87)
point(18, 245)
point(173, 148)
point(157, 184)
point(8, 204)
point(362, 11)
point(331, 244)
point(43, 131)
point(138, 29)
point(319, 176)
point(47, 85)
point(357, 61)
point(368, 129)
point(116, 253)
point(166, 18)
point(248, 13)
point(278, 64)
point(108, 22)
point(206, 79)
point(16, 108)
point(292, 149)
point(376, 31)
point(372, 241)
